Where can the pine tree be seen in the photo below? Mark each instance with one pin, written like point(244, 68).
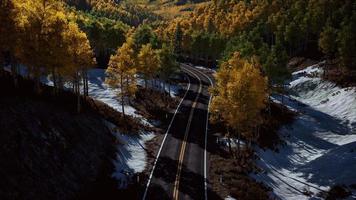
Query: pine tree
point(327, 41)
point(178, 38)
point(347, 43)
point(142, 36)
point(168, 65)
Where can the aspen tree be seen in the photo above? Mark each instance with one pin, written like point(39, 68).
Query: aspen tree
point(240, 95)
point(41, 24)
point(149, 62)
point(81, 59)
point(121, 72)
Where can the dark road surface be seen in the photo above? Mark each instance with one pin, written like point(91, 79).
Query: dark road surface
point(180, 167)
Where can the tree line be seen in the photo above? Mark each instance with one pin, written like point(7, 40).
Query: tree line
point(40, 35)
point(104, 34)
point(264, 34)
point(274, 30)
point(124, 11)
point(53, 40)
point(143, 54)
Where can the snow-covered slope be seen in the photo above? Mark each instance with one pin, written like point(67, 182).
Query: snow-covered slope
point(320, 148)
point(102, 92)
point(325, 96)
point(131, 155)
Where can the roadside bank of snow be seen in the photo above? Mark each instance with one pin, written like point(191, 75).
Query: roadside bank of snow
point(210, 70)
point(158, 85)
point(131, 155)
point(230, 198)
point(324, 96)
point(99, 90)
point(320, 149)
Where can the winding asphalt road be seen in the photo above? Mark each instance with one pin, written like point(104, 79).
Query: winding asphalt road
point(180, 169)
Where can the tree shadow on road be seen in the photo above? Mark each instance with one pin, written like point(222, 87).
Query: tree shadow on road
point(191, 184)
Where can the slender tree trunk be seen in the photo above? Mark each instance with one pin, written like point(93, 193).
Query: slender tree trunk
point(169, 88)
point(127, 88)
point(78, 92)
point(238, 141)
point(37, 84)
point(229, 142)
point(122, 96)
point(269, 105)
point(54, 77)
point(60, 82)
point(85, 83)
point(14, 71)
point(282, 94)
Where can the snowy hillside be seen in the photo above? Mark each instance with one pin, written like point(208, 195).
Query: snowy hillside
point(102, 92)
point(131, 154)
point(320, 148)
point(325, 96)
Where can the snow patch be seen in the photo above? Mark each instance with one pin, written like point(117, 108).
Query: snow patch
point(230, 198)
point(324, 96)
point(320, 149)
point(99, 90)
point(131, 155)
point(158, 85)
point(211, 70)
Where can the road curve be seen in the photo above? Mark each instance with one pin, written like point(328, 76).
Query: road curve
point(180, 169)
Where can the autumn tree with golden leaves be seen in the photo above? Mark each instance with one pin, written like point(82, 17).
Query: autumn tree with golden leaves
point(121, 72)
point(239, 96)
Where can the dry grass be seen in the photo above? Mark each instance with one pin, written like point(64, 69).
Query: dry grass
point(229, 176)
point(273, 120)
point(154, 105)
point(167, 8)
point(343, 78)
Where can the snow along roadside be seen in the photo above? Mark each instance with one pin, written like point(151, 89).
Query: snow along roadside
point(320, 144)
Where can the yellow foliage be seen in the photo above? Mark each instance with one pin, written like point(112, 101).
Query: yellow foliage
point(79, 53)
point(48, 42)
point(149, 62)
point(240, 94)
point(226, 18)
point(121, 70)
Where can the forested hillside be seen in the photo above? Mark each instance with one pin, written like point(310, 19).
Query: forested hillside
point(274, 31)
point(239, 55)
point(266, 34)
